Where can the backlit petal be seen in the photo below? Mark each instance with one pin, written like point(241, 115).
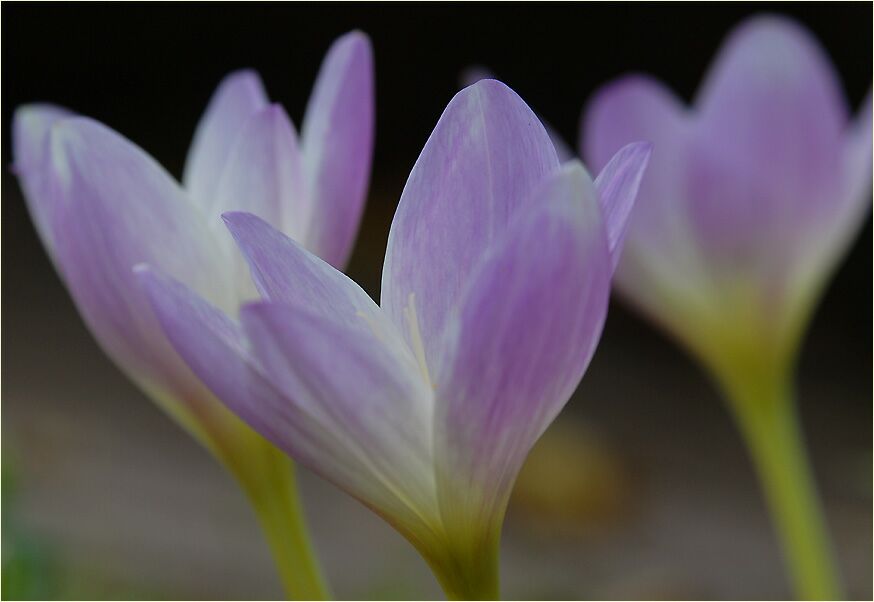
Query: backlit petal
point(337, 142)
point(477, 171)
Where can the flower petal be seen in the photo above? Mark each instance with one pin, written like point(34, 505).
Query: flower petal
point(239, 95)
point(528, 325)
point(30, 136)
point(262, 176)
point(337, 141)
point(114, 208)
point(477, 170)
point(765, 161)
point(617, 187)
point(475, 73)
point(368, 408)
point(285, 272)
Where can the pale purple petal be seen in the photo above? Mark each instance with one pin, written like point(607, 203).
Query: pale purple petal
point(765, 160)
point(477, 171)
point(239, 95)
point(639, 108)
point(617, 186)
point(286, 272)
point(527, 327)
point(475, 73)
point(115, 207)
point(337, 142)
point(367, 406)
point(31, 125)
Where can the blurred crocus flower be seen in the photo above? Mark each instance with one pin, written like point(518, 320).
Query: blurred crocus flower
point(102, 205)
point(753, 196)
point(494, 293)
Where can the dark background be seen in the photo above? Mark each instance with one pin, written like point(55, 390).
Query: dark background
point(107, 498)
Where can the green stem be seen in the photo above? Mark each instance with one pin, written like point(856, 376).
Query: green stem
point(471, 571)
point(766, 412)
point(277, 505)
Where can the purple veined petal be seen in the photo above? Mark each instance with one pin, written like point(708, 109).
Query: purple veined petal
point(218, 352)
point(765, 160)
point(475, 73)
point(337, 142)
point(371, 405)
point(478, 169)
point(262, 176)
point(285, 272)
point(115, 208)
point(617, 186)
point(524, 334)
point(30, 137)
point(239, 95)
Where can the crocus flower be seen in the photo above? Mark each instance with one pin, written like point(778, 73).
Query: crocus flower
point(754, 194)
point(101, 206)
point(494, 293)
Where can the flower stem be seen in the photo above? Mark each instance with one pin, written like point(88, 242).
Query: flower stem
point(275, 499)
point(766, 413)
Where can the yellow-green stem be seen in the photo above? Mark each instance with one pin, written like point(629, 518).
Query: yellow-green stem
point(277, 505)
point(766, 413)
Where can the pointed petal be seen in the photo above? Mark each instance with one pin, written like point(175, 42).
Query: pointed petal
point(263, 171)
point(328, 395)
point(765, 160)
point(527, 328)
point(114, 208)
point(337, 140)
point(284, 271)
point(617, 187)
point(31, 125)
point(477, 170)
point(475, 73)
point(369, 408)
point(238, 97)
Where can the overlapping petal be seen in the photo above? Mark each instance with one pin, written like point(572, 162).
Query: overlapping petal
point(239, 96)
point(617, 187)
point(114, 207)
point(528, 324)
point(766, 154)
point(31, 127)
point(337, 141)
point(484, 158)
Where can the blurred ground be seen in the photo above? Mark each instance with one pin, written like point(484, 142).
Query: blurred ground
point(112, 500)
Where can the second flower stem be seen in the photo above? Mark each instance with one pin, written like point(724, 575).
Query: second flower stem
point(767, 416)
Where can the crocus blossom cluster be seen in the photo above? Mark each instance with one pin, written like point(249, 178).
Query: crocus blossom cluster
point(754, 194)
point(494, 293)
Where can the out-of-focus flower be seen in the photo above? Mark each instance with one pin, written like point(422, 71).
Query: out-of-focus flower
point(753, 196)
point(101, 206)
point(494, 293)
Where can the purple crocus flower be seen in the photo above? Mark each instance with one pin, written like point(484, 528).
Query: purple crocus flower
point(494, 293)
point(101, 206)
point(754, 194)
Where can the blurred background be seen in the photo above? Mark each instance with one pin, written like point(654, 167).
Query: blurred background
point(641, 489)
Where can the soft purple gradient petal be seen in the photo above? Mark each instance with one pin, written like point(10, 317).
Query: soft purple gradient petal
point(766, 152)
point(337, 142)
point(617, 186)
point(527, 327)
point(284, 271)
point(31, 126)
point(114, 208)
point(475, 73)
point(239, 95)
point(367, 408)
point(216, 349)
point(477, 170)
